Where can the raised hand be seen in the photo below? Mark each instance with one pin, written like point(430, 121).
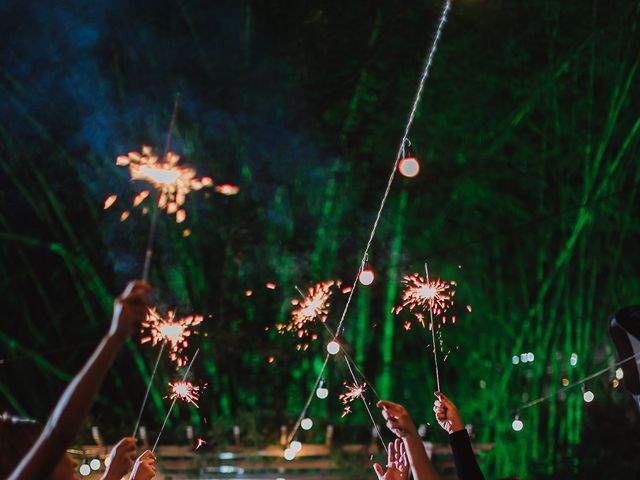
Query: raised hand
point(447, 414)
point(129, 309)
point(145, 467)
point(122, 457)
point(397, 463)
point(398, 419)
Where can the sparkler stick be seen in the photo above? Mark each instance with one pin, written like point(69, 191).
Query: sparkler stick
point(433, 334)
point(174, 401)
point(364, 400)
point(146, 395)
point(154, 216)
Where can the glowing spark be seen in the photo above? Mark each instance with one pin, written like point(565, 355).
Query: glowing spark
point(124, 215)
point(248, 293)
point(200, 443)
point(173, 182)
point(315, 306)
point(174, 332)
point(186, 232)
point(226, 189)
point(110, 200)
point(353, 392)
point(186, 391)
point(270, 285)
point(435, 296)
point(469, 309)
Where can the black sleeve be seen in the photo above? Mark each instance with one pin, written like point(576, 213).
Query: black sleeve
point(463, 456)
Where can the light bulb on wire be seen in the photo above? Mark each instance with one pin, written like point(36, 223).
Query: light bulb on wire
point(333, 347)
point(517, 424)
point(322, 392)
point(408, 166)
point(306, 424)
point(366, 276)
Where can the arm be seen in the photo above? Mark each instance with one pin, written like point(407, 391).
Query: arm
point(74, 404)
point(450, 420)
point(400, 423)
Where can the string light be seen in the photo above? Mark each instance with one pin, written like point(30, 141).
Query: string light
point(366, 276)
point(289, 454)
point(296, 446)
point(94, 464)
point(306, 424)
point(84, 470)
point(517, 424)
point(333, 347)
point(408, 166)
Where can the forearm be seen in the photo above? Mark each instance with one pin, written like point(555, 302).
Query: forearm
point(69, 413)
point(463, 456)
point(421, 465)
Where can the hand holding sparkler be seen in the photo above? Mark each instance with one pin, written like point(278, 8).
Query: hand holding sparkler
point(398, 419)
point(397, 463)
point(447, 414)
point(122, 457)
point(129, 309)
point(145, 467)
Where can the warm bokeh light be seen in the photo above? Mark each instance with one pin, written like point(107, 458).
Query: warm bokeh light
point(409, 167)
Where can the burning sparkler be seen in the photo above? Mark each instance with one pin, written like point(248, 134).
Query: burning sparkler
point(353, 392)
point(435, 296)
point(173, 182)
point(314, 306)
point(185, 391)
point(175, 332)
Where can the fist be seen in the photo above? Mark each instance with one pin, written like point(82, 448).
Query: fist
point(145, 467)
point(122, 457)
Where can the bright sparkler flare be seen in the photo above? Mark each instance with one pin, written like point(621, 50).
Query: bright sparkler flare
point(174, 332)
point(435, 296)
point(186, 391)
point(315, 306)
point(353, 392)
point(173, 182)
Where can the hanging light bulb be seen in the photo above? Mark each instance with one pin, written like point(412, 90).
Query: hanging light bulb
point(296, 446)
point(322, 392)
point(333, 347)
point(588, 396)
point(306, 424)
point(408, 165)
point(366, 275)
point(289, 454)
point(95, 464)
point(517, 424)
point(85, 470)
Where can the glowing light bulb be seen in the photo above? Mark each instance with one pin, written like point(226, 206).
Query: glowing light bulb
point(322, 393)
point(85, 470)
point(588, 396)
point(333, 347)
point(289, 454)
point(95, 464)
point(366, 277)
point(574, 359)
point(517, 424)
point(306, 423)
point(409, 167)
point(296, 446)
point(515, 359)
point(107, 460)
point(619, 374)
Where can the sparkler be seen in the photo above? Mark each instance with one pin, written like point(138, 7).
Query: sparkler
point(435, 296)
point(174, 332)
point(166, 331)
point(172, 182)
point(200, 443)
point(185, 391)
point(314, 306)
point(184, 380)
point(352, 393)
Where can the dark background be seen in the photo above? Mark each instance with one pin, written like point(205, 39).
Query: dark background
point(528, 141)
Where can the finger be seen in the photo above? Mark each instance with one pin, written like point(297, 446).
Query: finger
point(379, 470)
point(398, 448)
point(390, 453)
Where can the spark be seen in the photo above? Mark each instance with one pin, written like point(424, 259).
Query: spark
point(200, 443)
point(173, 182)
point(352, 393)
point(314, 306)
point(435, 296)
point(186, 391)
point(174, 332)
point(110, 200)
point(226, 189)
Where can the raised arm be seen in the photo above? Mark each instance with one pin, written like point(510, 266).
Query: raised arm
point(400, 423)
point(450, 420)
point(74, 404)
